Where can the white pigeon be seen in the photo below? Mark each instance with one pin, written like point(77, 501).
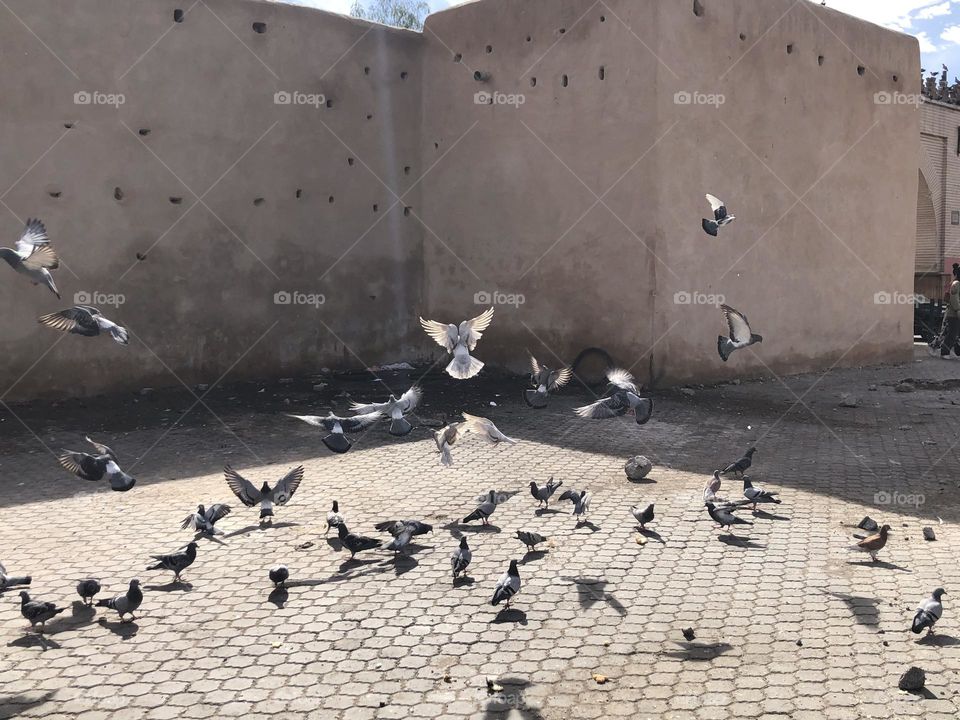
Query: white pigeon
point(395, 408)
point(34, 257)
point(481, 426)
point(720, 216)
point(740, 334)
point(712, 488)
point(459, 341)
point(84, 320)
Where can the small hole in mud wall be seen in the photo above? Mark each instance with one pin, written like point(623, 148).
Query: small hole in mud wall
point(603, 18)
point(533, 82)
point(178, 16)
point(565, 81)
point(403, 75)
point(117, 194)
point(366, 70)
point(406, 211)
point(376, 207)
point(176, 200)
point(436, 146)
point(861, 70)
point(458, 57)
point(330, 199)
point(742, 37)
point(529, 39)
point(896, 78)
point(563, 30)
point(141, 257)
point(329, 103)
point(406, 169)
point(603, 73)
point(299, 193)
point(143, 132)
point(489, 49)
point(55, 193)
point(68, 125)
point(369, 116)
point(258, 201)
point(820, 60)
point(260, 28)
point(790, 49)
point(350, 162)
point(698, 8)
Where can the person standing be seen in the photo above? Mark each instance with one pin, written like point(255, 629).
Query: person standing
point(952, 316)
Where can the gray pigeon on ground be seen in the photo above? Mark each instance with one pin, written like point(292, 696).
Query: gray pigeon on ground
point(459, 341)
point(484, 509)
point(175, 562)
point(356, 543)
point(87, 588)
point(37, 611)
point(266, 497)
point(205, 519)
point(723, 515)
point(530, 539)
point(758, 495)
point(461, 558)
point(334, 518)
point(740, 334)
point(542, 494)
point(336, 426)
point(126, 603)
point(580, 500)
point(97, 467)
point(33, 256)
point(643, 515)
point(720, 216)
point(85, 320)
point(621, 396)
point(508, 586)
point(544, 381)
point(8, 581)
point(928, 612)
point(279, 575)
point(394, 408)
point(712, 488)
point(739, 467)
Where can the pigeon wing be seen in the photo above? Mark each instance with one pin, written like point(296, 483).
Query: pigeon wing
point(715, 202)
point(599, 410)
point(559, 378)
point(363, 408)
point(472, 330)
point(34, 234)
point(737, 324)
point(445, 336)
point(359, 422)
point(76, 319)
point(43, 256)
point(287, 486)
point(534, 366)
point(411, 398)
point(216, 512)
point(315, 420)
point(101, 448)
point(621, 378)
point(241, 487)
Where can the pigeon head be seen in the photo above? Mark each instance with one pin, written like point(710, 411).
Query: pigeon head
point(201, 509)
point(583, 494)
point(533, 485)
point(135, 583)
point(24, 596)
point(336, 508)
point(885, 529)
point(709, 505)
point(750, 452)
point(513, 568)
point(938, 593)
point(342, 531)
point(463, 543)
point(747, 483)
point(265, 488)
point(426, 527)
point(493, 496)
point(192, 548)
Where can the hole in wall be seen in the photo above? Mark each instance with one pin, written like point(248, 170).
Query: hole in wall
point(406, 169)
point(790, 49)
point(489, 49)
point(603, 73)
point(406, 211)
point(457, 57)
point(178, 16)
point(299, 193)
point(369, 116)
point(329, 103)
point(861, 70)
point(896, 78)
point(481, 76)
point(603, 18)
point(403, 75)
point(742, 37)
point(563, 30)
point(698, 8)
point(68, 125)
point(330, 199)
point(141, 257)
point(366, 70)
point(529, 38)
point(565, 81)
point(260, 27)
point(350, 162)
point(176, 200)
point(55, 193)
point(533, 82)
point(117, 194)
point(143, 132)
point(376, 207)
point(258, 201)
point(436, 146)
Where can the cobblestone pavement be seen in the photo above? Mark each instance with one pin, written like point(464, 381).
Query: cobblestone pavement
point(788, 622)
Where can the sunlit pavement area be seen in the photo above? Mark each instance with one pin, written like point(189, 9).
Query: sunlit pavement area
point(788, 622)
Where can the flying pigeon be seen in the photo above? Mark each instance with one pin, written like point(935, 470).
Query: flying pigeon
point(175, 562)
point(7, 581)
point(471, 424)
point(34, 257)
point(621, 395)
point(740, 335)
point(395, 409)
point(928, 612)
point(542, 494)
point(336, 427)
point(279, 575)
point(87, 588)
point(126, 603)
point(204, 519)
point(720, 216)
point(459, 341)
point(37, 611)
point(461, 558)
point(712, 488)
point(757, 495)
point(874, 543)
point(96, 467)
point(356, 543)
point(644, 515)
point(84, 320)
point(508, 586)
point(581, 501)
point(334, 518)
point(544, 381)
point(739, 467)
point(723, 515)
point(484, 510)
point(266, 496)
point(530, 539)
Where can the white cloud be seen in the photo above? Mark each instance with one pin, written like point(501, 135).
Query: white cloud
point(933, 11)
point(926, 44)
point(951, 34)
point(895, 14)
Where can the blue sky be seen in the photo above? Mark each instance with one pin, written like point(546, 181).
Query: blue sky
point(935, 22)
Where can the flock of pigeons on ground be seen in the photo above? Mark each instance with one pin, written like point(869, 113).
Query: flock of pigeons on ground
point(35, 258)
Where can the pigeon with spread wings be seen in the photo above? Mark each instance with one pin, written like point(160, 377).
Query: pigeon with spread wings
point(33, 256)
point(544, 381)
point(622, 395)
point(395, 408)
point(84, 320)
point(720, 216)
point(204, 520)
point(740, 334)
point(266, 497)
point(481, 426)
point(336, 426)
point(459, 341)
point(97, 467)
